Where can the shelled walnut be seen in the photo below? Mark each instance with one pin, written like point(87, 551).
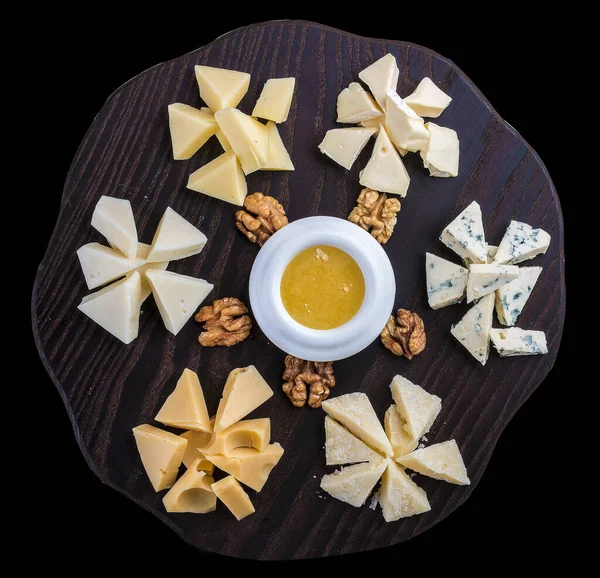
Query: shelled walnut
point(225, 322)
point(263, 216)
point(404, 334)
point(376, 212)
point(299, 374)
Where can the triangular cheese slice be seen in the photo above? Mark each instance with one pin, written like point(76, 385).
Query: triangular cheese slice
point(342, 447)
point(221, 88)
point(446, 281)
point(175, 238)
point(399, 496)
point(417, 407)
point(521, 242)
point(116, 308)
point(484, 279)
point(354, 410)
point(197, 440)
point(279, 158)
point(440, 461)
point(404, 126)
point(177, 296)
point(191, 493)
point(221, 178)
point(190, 128)
point(343, 145)
point(219, 134)
point(114, 219)
point(353, 484)
point(142, 254)
point(101, 265)
point(385, 171)
point(511, 298)
point(380, 77)
point(185, 408)
point(473, 330)
point(275, 99)
point(245, 389)
point(402, 442)
point(355, 104)
point(427, 99)
point(465, 236)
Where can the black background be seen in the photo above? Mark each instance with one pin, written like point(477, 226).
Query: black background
point(516, 511)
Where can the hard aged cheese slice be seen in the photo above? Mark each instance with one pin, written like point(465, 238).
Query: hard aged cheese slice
point(142, 254)
point(380, 77)
point(101, 265)
point(440, 461)
point(355, 104)
point(343, 145)
point(354, 410)
point(511, 298)
point(402, 442)
point(521, 242)
point(484, 279)
point(114, 219)
point(244, 391)
point(279, 158)
point(191, 493)
point(220, 87)
point(219, 133)
point(196, 440)
point(446, 282)
point(440, 154)
point(342, 447)
point(161, 453)
point(514, 341)
point(190, 128)
point(116, 308)
point(249, 433)
point(229, 491)
point(427, 99)
point(473, 330)
point(399, 496)
point(385, 171)
point(177, 296)
point(275, 99)
point(465, 236)
point(221, 178)
point(490, 253)
point(185, 408)
point(353, 484)
point(405, 127)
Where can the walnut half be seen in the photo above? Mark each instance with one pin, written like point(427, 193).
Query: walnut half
point(404, 334)
point(376, 212)
point(225, 322)
point(263, 216)
point(299, 374)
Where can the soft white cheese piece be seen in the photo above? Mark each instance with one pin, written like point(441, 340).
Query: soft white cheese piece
point(405, 127)
point(101, 265)
point(142, 254)
point(515, 341)
point(490, 252)
point(439, 461)
point(353, 484)
point(343, 145)
point(473, 330)
point(446, 282)
point(380, 77)
point(521, 242)
point(427, 99)
point(484, 279)
point(355, 104)
point(343, 447)
point(440, 154)
point(511, 298)
point(279, 158)
point(385, 172)
point(465, 236)
point(113, 218)
point(399, 496)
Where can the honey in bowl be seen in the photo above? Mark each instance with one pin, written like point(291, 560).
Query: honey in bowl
point(322, 287)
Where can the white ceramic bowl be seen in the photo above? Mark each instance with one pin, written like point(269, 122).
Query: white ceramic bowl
point(316, 344)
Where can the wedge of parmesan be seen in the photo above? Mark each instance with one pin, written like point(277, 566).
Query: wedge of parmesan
point(353, 484)
point(399, 496)
point(440, 461)
point(342, 447)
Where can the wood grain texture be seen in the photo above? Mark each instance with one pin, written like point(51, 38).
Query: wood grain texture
point(108, 388)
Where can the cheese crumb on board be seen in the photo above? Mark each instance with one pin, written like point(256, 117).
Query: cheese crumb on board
point(446, 282)
point(275, 99)
point(113, 218)
point(484, 278)
point(399, 496)
point(343, 145)
point(191, 493)
point(441, 461)
point(355, 104)
point(465, 235)
point(514, 341)
point(473, 330)
point(353, 484)
point(343, 447)
point(427, 99)
point(512, 297)
point(521, 242)
point(190, 128)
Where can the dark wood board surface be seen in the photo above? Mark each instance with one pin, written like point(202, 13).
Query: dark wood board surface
point(108, 388)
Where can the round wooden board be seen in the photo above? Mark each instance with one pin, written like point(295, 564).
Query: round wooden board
point(108, 388)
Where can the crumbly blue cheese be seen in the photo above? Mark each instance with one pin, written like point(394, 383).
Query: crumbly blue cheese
point(484, 279)
point(465, 234)
point(473, 330)
point(521, 242)
point(511, 298)
point(490, 253)
point(446, 282)
point(515, 341)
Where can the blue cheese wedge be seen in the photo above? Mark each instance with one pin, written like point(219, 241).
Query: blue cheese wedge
point(490, 253)
point(515, 341)
point(446, 282)
point(465, 235)
point(511, 298)
point(484, 279)
point(521, 242)
point(473, 330)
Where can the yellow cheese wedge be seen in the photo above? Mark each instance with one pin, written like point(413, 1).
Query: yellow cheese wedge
point(248, 465)
point(343, 145)
point(441, 153)
point(177, 296)
point(142, 254)
point(440, 461)
point(404, 126)
point(353, 484)
point(380, 77)
point(161, 453)
point(250, 433)
point(196, 440)
point(116, 308)
point(229, 491)
point(427, 99)
point(399, 496)
point(342, 447)
point(191, 493)
point(354, 104)
point(185, 408)
point(219, 133)
point(279, 158)
point(113, 218)
point(190, 128)
point(220, 87)
point(402, 442)
point(244, 391)
point(101, 265)
point(221, 178)
point(275, 99)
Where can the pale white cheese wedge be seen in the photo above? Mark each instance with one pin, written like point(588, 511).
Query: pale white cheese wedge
point(343, 145)
point(142, 254)
point(521, 242)
point(355, 104)
point(440, 461)
point(402, 442)
point(427, 99)
point(113, 218)
point(473, 330)
point(490, 252)
point(190, 128)
point(385, 172)
point(484, 279)
point(376, 123)
point(279, 158)
point(116, 308)
point(446, 281)
point(342, 447)
point(219, 133)
point(275, 99)
point(465, 236)
point(177, 296)
point(101, 265)
point(440, 154)
point(405, 128)
point(514, 341)
point(353, 484)
point(380, 77)
point(399, 496)
point(511, 298)
point(221, 88)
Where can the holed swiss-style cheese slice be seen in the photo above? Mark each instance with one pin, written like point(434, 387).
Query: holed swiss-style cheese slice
point(191, 493)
